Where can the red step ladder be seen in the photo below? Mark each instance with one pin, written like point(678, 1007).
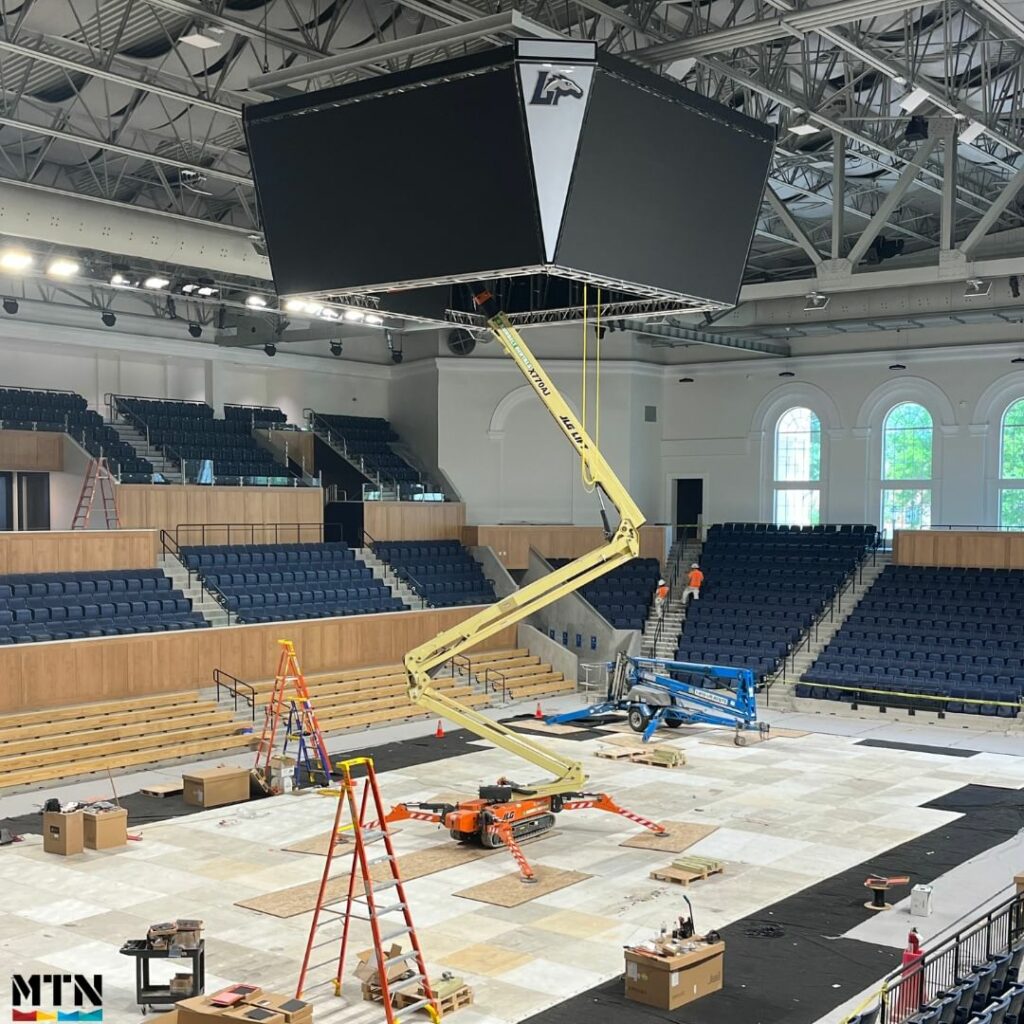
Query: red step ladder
point(290, 702)
point(98, 479)
point(380, 901)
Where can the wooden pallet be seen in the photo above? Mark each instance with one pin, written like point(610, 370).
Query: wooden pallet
point(162, 789)
point(655, 757)
point(688, 869)
point(457, 1000)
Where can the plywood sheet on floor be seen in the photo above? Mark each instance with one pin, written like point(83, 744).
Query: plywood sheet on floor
point(681, 836)
point(539, 725)
point(318, 844)
point(512, 891)
point(752, 737)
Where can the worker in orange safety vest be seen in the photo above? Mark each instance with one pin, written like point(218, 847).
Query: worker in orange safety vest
point(694, 581)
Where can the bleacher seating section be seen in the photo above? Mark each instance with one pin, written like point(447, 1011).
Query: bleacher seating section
point(369, 438)
point(931, 631)
point(274, 582)
point(35, 607)
point(66, 412)
point(442, 572)
point(986, 993)
point(764, 585)
point(188, 431)
point(623, 596)
point(255, 415)
point(55, 743)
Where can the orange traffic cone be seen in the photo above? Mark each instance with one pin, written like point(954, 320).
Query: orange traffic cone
point(439, 731)
point(538, 714)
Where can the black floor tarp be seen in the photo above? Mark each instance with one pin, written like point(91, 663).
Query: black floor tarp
point(791, 979)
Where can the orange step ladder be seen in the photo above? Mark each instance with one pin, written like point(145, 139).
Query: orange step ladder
point(98, 479)
point(377, 898)
point(290, 701)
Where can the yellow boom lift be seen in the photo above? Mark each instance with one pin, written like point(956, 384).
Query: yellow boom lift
point(508, 811)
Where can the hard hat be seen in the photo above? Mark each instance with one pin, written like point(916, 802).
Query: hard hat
point(694, 565)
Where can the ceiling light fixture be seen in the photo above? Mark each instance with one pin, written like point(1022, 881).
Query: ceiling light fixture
point(977, 288)
point(374, 320)
point(119, 281)
point(914, 99)
point(896, 366)
point(206, 291)
point(354, 314)
point(271, 349)
point(11, 306)
point(330, 314)
point(815, 301)
point(62, 267)
point(256, 302)
point(295, 305)
point(971, 132)
point(804, 128)
point(155, 283)
point(199, 41)
point(787, 373)
point(108, 318)
point(15, 259)
point(336, 348)
point(195, 330)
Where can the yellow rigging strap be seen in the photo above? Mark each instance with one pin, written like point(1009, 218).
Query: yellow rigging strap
point(622, 545)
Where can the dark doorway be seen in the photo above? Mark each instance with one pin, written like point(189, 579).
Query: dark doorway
point(6, 501)
point(689, 506)
point(33, 501)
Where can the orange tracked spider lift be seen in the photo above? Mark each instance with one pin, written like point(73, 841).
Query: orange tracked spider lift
point(377, 897)
point(290, 697)
point(98, 478)
point(504, 813)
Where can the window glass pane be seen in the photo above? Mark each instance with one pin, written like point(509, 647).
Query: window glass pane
point(798, 446)
point(1011, 456)
point(907, 443)
point(1011, 508)
point(797, 507)
point(906, 509)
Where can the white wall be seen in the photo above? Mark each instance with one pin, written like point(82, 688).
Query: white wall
point(721, 427)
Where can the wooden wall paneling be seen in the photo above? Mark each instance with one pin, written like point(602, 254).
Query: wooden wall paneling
point(414, 520)
point(994, 549)
point(79, 671)
point(77, 550)
point(31, 450)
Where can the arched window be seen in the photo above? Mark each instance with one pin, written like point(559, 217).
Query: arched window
point(797, 474)
point(906, 468)
point(1011, 467)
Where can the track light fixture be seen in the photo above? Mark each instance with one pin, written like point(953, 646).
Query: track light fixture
point(336, 348)
point(108, 318)
point(977, 288)
point(195, 330)
point(815, 301)
point(271, 349)
point(11, 306)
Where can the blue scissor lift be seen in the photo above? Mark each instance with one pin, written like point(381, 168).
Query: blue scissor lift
point(652, 691)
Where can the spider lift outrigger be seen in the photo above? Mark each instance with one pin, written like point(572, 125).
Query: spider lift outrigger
point(508, 811)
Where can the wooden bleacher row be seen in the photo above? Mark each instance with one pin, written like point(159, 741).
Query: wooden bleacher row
point(62, 742)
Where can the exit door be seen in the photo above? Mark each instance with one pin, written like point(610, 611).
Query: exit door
point(689, 506)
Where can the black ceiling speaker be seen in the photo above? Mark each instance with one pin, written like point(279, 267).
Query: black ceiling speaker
point(460, 342)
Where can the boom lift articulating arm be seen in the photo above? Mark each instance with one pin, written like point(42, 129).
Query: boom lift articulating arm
point(494, 817)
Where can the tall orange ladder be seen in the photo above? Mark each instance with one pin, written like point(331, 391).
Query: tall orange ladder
point(290, 701)
point(371, 846)
point(98, 478)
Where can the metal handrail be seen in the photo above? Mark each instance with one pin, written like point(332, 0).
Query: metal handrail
point(460, 661)
point(251, 528)
point(493, 673)
point(234, 686)
point(904, 991)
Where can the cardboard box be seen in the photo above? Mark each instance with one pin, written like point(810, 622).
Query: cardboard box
point(295, 1011)
point(668, 982)
point(203, 1010)
point(254, 1015)
point(105, 830)
point(215, 787)
point(366, 969)
point(63, 834)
